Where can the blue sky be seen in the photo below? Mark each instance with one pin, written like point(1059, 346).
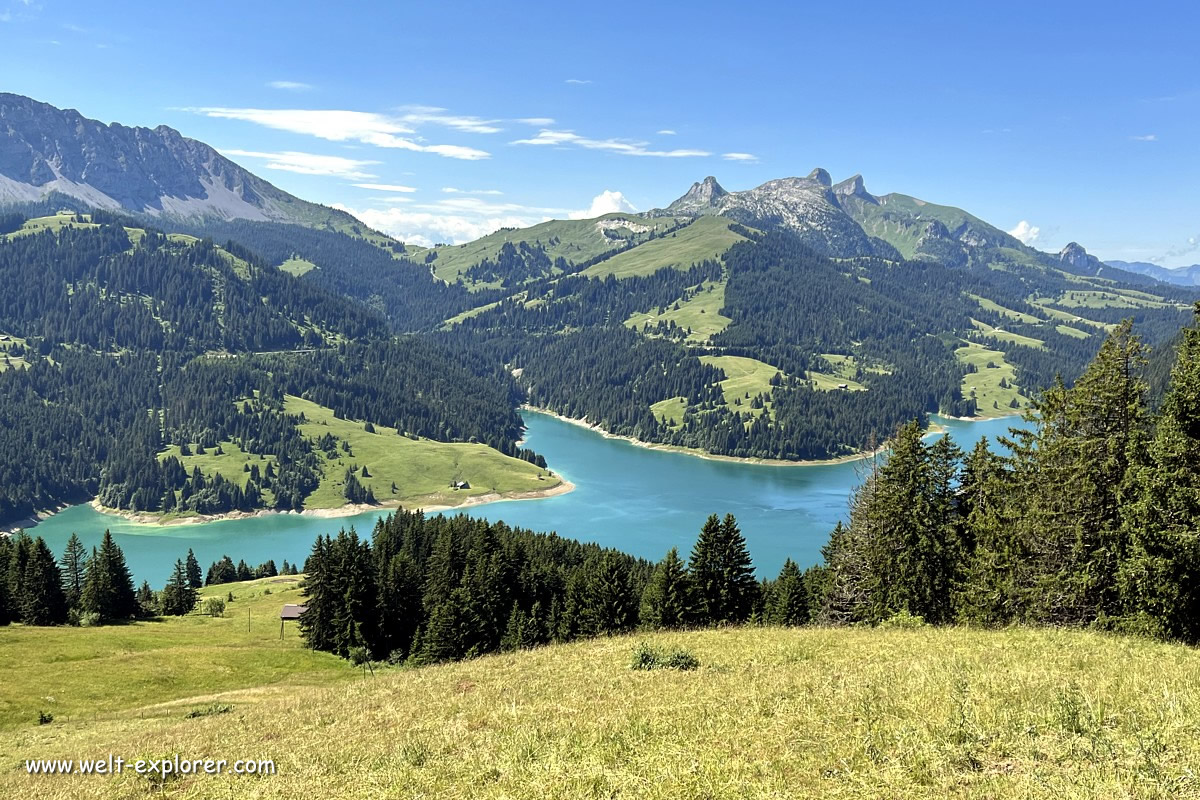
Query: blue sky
point(1081, 120)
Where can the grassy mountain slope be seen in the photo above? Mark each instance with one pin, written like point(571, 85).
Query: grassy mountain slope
point(839, 713)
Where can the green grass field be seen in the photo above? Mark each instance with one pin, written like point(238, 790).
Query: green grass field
point(702, 313)
point(743, 376)
point(422, 470)
point(988, 305)
point(991, 398)
point(152, 668)
point(297, 266)
point(903, 714)
point(1076, 319)
point(575, 240)
point(1067, 330)
point(1008, 336)
point(706, 238)
point(671, 410)
point(845, 367)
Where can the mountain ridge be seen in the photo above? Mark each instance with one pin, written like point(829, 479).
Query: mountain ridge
point(154, 172)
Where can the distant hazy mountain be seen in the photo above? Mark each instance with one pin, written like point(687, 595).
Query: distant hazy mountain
point(157, 171)
point(1182, 276)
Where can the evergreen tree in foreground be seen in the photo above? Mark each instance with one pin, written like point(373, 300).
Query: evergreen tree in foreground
point(1160, 579)
point(722, 573)
point(178, 597)
point(74, 571)
point(667, 601)
point(42, 600)
point(788, 603)
point(194, 576)
point(108, 590)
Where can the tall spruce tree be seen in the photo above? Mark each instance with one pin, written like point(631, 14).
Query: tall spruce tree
point(42, 600)
point(787, 602)
point(1070, 474)
point(722, 573)
point(320, 597)
point(194, 576)
point(108, 590)
point(8, 611)
point(74, 570)
point(178, 597)
point(1160, 578)
point(667, 600)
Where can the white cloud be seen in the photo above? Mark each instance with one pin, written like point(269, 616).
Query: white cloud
point(308, 163)
point(342, 126)
point(546, 137)
point(385, 187)
point(290, 86)
point(461, 218)
point(739, 157)
point(425, 227)
point(1149, 137)
point(666, 132)
point(537, 122)
point(1025, 232)
point(577, 81)
point(452, 190)
point(607, 202)
point(420, 115)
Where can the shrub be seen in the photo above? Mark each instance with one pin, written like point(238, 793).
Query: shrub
point(45, 718)
point(214, 607)
point(209, 711)
point(648, 657)
point(91, 619)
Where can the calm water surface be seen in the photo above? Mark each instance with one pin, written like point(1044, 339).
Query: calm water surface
point(639, 500)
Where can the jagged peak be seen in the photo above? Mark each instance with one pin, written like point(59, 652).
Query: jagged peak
point(821, 176)
point(703, 194)
point(854, 187)
point(1073, 248)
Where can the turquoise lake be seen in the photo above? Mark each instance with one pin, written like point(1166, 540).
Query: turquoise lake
point(632, 498)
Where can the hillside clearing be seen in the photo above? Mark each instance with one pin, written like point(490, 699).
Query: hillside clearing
point(992, 399)
point(701, 313)
point(744, 378)
point(706, 238)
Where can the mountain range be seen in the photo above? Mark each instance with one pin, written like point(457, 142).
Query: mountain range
point(156, 172)
point(1181, 276)
point(799, 319)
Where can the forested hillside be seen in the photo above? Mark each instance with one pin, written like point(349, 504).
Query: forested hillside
point(121, 342)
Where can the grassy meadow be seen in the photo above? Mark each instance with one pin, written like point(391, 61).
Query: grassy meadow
point(992, 399)
point(156, 668)
point(771, 713)
point(706, 238)
point(701, 313)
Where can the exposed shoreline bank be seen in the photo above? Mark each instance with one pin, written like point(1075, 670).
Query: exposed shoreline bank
point(349, 510)
point(934, 428)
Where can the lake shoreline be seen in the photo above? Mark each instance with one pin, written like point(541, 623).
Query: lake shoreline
point(934, 428)
point(349, 510)
point(688, 451)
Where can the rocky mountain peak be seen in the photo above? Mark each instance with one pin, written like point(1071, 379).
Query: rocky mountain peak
point(1075, 255)
point(854, 187)
point(703, 195)
point(821, 176)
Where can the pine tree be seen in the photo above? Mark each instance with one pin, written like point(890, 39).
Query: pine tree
point(8, 610)
point(612, 600)
point(989, 592)
point(400, 610)
point(178, 597)
point(42, 600)
point(788, 603)
point(722, 572)
point(320, 596)
point(108, 590)
point(1070, 473)
point(74, 571)
point(193, 570)
point(1160, 579)
point(667, 600)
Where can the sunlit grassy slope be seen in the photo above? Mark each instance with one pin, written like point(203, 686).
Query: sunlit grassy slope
point(804, 713)
point(114, 672)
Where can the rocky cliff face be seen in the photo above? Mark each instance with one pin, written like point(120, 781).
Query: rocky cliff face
point(146, 171)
